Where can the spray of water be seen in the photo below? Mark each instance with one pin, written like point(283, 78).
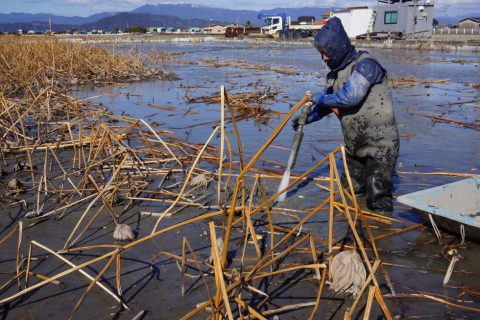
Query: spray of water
point(283, 185)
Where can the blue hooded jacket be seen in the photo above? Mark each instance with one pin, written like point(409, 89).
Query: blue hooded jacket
point(333, 39)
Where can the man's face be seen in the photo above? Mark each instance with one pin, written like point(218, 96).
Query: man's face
point(324, 54)
point(325, 57)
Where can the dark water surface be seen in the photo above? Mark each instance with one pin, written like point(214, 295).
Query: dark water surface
point(425, 147)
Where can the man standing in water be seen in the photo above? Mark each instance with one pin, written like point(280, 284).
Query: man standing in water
point(357, 92)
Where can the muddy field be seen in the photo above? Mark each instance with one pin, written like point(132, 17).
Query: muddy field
point(436, 99)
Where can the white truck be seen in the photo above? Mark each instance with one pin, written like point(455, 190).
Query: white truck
point(279, 22)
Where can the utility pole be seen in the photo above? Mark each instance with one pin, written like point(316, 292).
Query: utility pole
point(414, 19)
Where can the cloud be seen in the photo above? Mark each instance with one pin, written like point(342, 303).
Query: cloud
point(87, 7)
point(79, 1)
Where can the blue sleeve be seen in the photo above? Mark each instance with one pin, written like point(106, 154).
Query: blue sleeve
point(350, 95)
point(318, 95)
point(368, 72)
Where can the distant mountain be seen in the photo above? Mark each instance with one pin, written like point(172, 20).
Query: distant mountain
point(124, 19)
point(169, 15)
point(97, 16)
point(35, 26)
point(174, 15)
point(452, 20)
point(112, 23)
point(20, 17)
point(188, 11)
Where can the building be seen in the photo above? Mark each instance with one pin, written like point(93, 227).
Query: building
point(215, 29)
point(324, 18)
point(408, 18)
point(305, 20)
point(233, 25)
point(470, 23)
point(156, 29)
point(355, 20)
point(173, 30)
point(195, 30)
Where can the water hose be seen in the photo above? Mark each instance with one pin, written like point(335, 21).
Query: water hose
point(297, 141)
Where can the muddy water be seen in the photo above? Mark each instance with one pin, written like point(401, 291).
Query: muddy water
point(153, 283)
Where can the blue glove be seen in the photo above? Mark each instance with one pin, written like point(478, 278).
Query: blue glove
point(316, 114)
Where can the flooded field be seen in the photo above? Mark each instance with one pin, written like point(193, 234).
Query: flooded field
point(436, 100)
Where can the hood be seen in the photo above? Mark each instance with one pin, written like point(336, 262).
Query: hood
point(334, 40)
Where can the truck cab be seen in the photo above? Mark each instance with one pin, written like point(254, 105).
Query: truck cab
point(273, 23)
point(280, 24)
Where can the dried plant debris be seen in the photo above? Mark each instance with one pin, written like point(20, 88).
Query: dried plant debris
point(200, 181)
point(242, 64)
point(473, 85)
point(220, 245)
point(77, 159)
point(101, 169)
point(246, 105)
point(347, 273)
point(14, 185)
point(124, 173)
point(406, 81)
point(435, 119)
point(123, 232)
point(33, 63)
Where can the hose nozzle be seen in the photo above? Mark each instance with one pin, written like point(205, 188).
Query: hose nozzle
point(302, 119)
point(306, 110)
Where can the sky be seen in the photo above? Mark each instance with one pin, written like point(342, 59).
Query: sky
point(88, 7)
